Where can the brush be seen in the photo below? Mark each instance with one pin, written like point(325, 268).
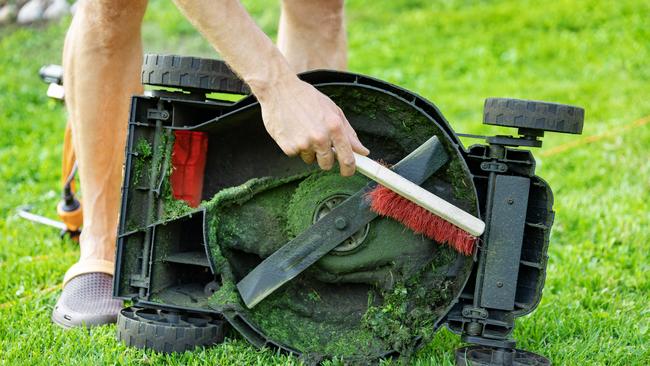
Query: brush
point(418, 209)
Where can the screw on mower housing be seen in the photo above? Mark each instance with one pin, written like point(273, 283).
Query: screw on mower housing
point(178, 260)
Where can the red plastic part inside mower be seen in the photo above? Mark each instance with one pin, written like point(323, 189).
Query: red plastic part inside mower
point(188, 161)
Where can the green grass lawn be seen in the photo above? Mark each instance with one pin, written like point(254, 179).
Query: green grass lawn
point(595, 54)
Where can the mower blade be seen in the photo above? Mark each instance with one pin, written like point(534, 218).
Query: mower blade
point(323, 236)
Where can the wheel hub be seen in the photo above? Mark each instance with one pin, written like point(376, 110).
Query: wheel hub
point(353, 241)
point(158, 316)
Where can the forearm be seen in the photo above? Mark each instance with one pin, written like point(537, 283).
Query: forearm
point(242, 44)
point(300, 119)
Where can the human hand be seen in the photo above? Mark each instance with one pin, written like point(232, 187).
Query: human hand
point(305, 122)
point(298, 117)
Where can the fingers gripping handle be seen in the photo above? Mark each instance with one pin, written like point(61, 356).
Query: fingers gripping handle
point(419, 195)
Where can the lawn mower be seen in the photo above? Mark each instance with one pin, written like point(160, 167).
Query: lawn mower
point(209, 199)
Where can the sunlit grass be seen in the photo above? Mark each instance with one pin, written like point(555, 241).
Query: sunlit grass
point(590, 53)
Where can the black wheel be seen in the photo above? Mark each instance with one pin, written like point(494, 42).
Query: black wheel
point(191, 73)
point(488, 356)
point(533, 115)
point(166, 331)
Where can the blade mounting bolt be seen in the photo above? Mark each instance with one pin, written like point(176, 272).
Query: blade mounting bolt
point(340, 223)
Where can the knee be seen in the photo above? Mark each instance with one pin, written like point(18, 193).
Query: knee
point(110, 23)
point(326, 14)
point(113, 11)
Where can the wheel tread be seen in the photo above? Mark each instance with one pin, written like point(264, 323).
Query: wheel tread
point(191, 73)
point(531, 114)
point(163, 337)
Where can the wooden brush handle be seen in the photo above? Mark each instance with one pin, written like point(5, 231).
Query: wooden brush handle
point(419, 195)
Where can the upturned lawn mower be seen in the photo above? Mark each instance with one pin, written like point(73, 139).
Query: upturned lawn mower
point(219, 229)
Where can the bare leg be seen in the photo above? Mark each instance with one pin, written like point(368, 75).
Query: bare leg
point(102, 59)
point(312, 34)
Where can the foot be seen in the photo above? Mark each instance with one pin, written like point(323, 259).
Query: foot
point(87, 301)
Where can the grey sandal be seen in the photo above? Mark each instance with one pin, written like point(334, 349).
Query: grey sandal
point(87, 301)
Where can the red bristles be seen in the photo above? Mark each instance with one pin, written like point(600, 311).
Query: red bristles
point(388, 203)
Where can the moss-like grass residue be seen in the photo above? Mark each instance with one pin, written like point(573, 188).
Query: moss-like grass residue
point(463, 188)
point(334, 319)
point(376, 260)
point(372, 112)
point(410, 308)
point(288, 316)
point(238, 195)
point(144, 152)
point(317, 321)
point(171, 207)
point(227, 297)
point(325, 310)
point(313, 191)
point(394, 128)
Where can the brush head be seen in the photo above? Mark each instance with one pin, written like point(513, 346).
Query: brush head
point(385, 202)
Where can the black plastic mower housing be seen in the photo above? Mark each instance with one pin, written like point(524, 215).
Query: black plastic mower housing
point(166, 263)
